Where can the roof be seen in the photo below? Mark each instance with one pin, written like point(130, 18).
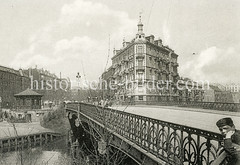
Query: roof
point(28, 92)
point(10, 70)
point(215, 88)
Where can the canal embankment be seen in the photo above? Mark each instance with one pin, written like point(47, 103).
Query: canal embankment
point(15, 135)
point(52, 125)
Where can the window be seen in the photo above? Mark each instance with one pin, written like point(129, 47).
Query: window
point(140, 97)
point(140, 76)
point(140, 62)
point(140, 49)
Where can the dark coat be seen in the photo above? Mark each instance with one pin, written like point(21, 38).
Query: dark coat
point(232, 147)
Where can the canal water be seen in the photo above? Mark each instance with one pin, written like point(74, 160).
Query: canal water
point(53, 153)
point(57, 153)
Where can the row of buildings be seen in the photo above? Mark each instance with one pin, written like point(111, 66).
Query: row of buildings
point(222, 93)
point(11, 82)
point(14, 81)
point(145, 70)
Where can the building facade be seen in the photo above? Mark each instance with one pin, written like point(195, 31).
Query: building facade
point(53, 88)
point(11, 82)
point(143, 70)
point(222, 94)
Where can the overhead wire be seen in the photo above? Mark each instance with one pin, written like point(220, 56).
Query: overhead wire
point(149, 15)
point(108, 54)
point(95, 107)
point(89, 91)
point(169, 12)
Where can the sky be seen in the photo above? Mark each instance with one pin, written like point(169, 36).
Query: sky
point(71, 36)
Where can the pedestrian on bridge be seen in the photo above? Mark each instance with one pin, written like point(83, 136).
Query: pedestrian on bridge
point(231, 142)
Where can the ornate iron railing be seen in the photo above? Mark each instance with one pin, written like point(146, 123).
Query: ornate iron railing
point(173, 143)
point(232, 107)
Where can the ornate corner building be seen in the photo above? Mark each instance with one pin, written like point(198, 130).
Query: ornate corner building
point(144, 70)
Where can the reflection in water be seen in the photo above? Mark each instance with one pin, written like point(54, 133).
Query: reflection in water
point(54, 153)
point(58, 153)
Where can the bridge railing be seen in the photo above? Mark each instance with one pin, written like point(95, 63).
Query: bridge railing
point(173, 143)
point(232, 107)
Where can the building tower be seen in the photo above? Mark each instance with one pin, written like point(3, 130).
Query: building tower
point(140, 35)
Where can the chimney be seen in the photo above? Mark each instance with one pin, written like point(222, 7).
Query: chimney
point(152, 38)
point(124, 43)
point(159, 42)
point(114, 52)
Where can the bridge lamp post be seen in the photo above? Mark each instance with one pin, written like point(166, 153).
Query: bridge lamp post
point(78, 80)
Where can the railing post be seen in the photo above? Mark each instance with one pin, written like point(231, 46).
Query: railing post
point(182, 148)
point(40, 139)
point(29, 141)
point(199, 157)
point(16, 143)
point(35, 140)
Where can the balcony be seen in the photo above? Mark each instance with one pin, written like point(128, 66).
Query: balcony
point(159, 59)
point(164, 71)
point(130, 57)
point(140, 56)
point(116, 65)
point(175, 64)
point(175, 74)
point(126, 71)
point(167, 61)
point(131, 69)
point(121, 72)
point(140, 68)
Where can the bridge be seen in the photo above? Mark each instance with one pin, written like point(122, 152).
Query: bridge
point(147, 140)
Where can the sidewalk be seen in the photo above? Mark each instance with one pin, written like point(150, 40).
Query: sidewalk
point(7, 129)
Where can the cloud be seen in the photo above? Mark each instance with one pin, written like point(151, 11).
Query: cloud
point(77, 40)
point(214, 64)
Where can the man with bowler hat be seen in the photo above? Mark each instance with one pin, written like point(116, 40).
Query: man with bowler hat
point(231, 142)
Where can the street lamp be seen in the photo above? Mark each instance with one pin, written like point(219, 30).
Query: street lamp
point(78, 78)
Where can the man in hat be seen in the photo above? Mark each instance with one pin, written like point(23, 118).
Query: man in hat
point(231, 140)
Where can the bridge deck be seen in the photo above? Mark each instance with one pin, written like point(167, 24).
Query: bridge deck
point(169, 133)
point(199, 118)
